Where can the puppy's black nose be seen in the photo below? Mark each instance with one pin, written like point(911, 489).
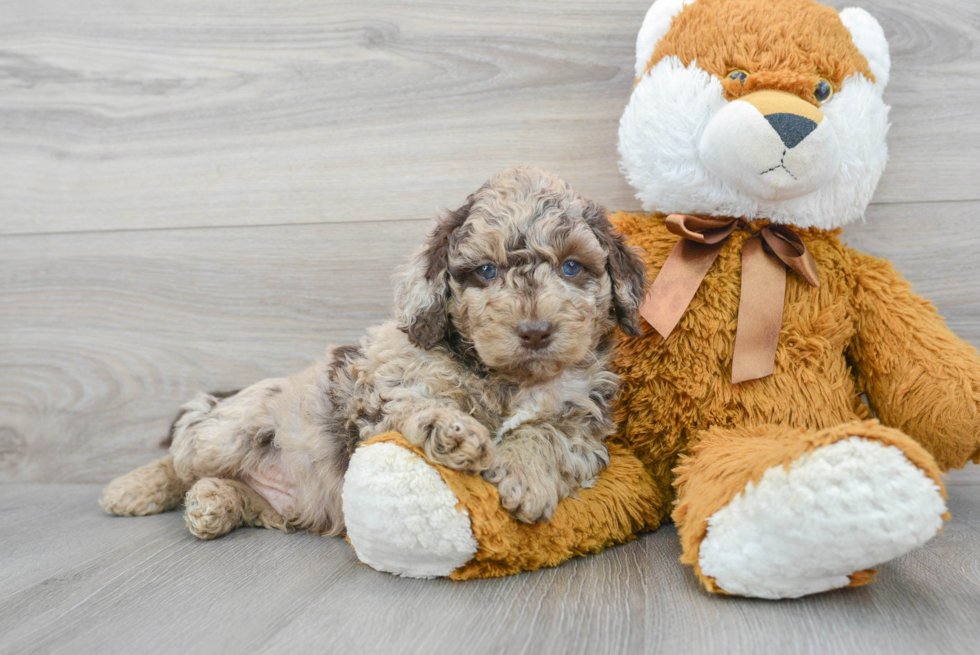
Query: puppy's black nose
point(535, 334)
point(791, 128)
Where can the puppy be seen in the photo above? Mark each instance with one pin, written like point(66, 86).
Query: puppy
point(497, 363)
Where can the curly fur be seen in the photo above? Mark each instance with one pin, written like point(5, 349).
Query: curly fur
point(450, 372)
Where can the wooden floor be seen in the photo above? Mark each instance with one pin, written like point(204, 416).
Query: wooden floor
point(196, 195)
point(75, 580)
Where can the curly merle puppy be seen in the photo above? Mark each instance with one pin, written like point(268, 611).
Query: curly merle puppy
point(497, 363)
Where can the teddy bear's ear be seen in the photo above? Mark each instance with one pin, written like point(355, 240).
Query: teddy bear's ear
point(870, 40)
point(655, 27)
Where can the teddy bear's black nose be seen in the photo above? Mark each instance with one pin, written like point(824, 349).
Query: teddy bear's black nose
point(791, 128)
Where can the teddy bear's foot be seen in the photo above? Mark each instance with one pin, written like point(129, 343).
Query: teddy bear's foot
point(811, 526)
point(401, 516)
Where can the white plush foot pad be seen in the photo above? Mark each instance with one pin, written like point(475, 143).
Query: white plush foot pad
point(839, 509)
point(400, 515)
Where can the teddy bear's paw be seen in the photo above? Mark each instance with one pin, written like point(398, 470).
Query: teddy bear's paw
point(835, 511)
point(401, 516)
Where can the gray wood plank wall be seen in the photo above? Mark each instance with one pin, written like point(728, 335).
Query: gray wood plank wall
point(198, 195)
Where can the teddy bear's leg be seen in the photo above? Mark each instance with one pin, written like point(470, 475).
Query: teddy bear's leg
point(216, 506)
point(774, 512)
point(150, 489)
point(401, 516)
point(407, 516)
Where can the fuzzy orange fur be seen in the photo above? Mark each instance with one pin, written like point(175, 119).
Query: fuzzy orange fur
point(862, 331)
point(723, 35)
point(918, 375)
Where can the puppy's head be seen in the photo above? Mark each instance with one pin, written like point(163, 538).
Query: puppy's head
point(528, 274)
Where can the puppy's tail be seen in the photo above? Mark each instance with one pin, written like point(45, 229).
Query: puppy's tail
point(193, 411)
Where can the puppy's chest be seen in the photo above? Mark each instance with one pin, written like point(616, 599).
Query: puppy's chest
point(518, 405)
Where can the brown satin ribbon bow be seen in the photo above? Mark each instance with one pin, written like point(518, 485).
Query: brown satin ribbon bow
point(765, 258)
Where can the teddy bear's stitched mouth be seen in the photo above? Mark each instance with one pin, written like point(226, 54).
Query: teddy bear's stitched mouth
point(782, 165)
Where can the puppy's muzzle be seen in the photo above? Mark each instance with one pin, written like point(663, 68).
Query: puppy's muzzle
point(535, 335)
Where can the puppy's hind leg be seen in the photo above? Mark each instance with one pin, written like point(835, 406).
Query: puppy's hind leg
point(150, 489)
point(216, 506)
point(223, 438)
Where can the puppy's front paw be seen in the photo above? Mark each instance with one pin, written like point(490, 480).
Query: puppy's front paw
point(528, 501)
point(212, 509)
point(456, 440)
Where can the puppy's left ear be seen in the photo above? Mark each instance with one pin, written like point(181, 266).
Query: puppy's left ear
point(626, 270)
point(421, 286)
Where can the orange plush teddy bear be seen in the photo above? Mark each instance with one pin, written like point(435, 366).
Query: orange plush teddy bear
point(755, 131)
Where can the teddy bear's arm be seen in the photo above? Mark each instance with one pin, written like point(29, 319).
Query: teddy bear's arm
point(401, 518)
point(918, 375)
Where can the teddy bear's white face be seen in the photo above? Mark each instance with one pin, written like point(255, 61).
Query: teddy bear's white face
point(771, 145)
point(758, 109)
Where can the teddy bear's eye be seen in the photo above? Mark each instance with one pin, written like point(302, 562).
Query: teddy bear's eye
point(824, 91)
point(738, 76)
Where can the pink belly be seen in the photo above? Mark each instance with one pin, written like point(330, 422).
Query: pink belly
point(272, 483)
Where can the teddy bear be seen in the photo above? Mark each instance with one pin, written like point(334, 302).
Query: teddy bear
point(791, 404)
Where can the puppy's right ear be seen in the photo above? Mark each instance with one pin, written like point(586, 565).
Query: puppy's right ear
point(421, 286)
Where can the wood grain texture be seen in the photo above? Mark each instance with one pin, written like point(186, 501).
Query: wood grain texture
point(74, 580)
point(118, 115)
point(104, 335)
point(196, 195)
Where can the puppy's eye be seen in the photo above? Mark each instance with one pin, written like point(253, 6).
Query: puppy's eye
point(824, 91)
point(738, 76)
point(487, 271)
point(571, 268)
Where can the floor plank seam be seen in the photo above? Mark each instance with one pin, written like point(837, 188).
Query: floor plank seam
point(239, 226)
